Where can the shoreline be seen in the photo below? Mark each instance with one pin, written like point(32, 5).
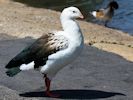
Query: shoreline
point(20, 21)
point(103, 68)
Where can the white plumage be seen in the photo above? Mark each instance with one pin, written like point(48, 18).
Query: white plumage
point(52, 51)
point(74, 35)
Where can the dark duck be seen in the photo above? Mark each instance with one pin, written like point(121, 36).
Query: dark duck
point(106, 14)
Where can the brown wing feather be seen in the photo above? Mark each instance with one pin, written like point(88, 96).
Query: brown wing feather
point(39, 50)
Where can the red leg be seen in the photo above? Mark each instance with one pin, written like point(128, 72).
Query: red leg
point(47, 83)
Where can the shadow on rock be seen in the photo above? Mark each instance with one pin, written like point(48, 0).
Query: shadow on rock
point(74, 94)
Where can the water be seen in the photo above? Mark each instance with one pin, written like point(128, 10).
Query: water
point(122, 20)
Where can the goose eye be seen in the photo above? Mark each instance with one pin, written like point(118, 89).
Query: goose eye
point(74, 11)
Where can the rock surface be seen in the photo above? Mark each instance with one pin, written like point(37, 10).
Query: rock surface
point(20, 21)
point(96, 74)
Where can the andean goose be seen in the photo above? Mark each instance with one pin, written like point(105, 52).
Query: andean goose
point(52, 51)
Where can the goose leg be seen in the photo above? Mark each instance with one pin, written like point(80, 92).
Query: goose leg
point(47, 83)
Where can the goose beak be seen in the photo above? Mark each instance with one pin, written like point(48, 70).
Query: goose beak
point(81, 16)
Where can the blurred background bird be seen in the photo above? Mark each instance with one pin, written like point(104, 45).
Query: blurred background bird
point(105, 14)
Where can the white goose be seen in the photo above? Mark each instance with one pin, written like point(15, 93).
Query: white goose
point(52, 51)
